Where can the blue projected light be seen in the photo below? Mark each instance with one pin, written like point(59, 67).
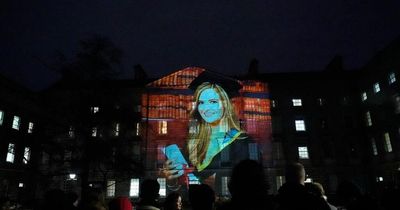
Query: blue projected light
point(210, 106)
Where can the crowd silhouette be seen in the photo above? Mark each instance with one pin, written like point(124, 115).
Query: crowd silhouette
point(248, 188)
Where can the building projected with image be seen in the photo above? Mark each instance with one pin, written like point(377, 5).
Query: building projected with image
point(169, 107)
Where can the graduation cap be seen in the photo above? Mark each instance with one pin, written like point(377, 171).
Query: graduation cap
point(230, 85)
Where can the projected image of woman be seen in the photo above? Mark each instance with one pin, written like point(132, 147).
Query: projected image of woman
point(218, 137)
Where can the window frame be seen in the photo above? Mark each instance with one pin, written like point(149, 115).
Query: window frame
point(300, 125)
point(377, 87)
point(297, 102)
point(303, 152)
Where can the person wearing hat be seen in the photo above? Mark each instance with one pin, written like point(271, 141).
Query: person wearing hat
point(218, 129)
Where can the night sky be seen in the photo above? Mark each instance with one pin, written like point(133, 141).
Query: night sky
point(167, 35)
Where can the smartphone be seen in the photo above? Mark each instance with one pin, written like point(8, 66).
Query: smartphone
point(174, 154)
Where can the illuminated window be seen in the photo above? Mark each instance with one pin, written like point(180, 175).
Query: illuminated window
point(300, 125)
point(163, 187)
point(364, 96)
point(10, 153)
point(387, 143)
point(162, 127)
point(296, 102)
point(30, 127)
point(137, 129)
point(94, 109)
point(27, 155)
point(392, 77)
point(320, 101)
point(94, 131)
point(279, 181)
point(71, 132)
point(303, 152)
point(273, 103)
point(1, 117)
point(368, 118)
point(20, 185)
point(377, 88)
point(224, 185)
point(110, 188)
point(193, 105)
point(374, 148)
point(16, 122)
point(134, 188)
point(253, 151)
point(116, 130)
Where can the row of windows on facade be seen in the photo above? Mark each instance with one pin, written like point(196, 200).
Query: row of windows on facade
point(225, 154)
point(163, 127)
point(16, 123)
point(96, 109)
point(386, 136)
point(11, 150)
point(297, 102)
point(387, 145)
point(95, 130)
point(134, 188)
point(377, 88)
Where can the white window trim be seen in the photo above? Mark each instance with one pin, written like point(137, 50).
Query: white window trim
point(137, 129)
point(30, 127)
point(94, 109)
point(10, 153)
point(1, 117)
point(297, 102)
point(392, 78)
point(16, 123)
point(368, 118)
point(94, 132)
point(364, 96)
point(163, 187)
point(117, 129)
point(303, 152)
point(134, 187)
point(163, 127)
point(377, 87)
point(224, 185)
point(111, 188)
point(387, 142)
point(300, 125)
point(27, 155)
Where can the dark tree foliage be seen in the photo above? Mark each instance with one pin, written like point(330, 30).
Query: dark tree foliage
point(97, 59)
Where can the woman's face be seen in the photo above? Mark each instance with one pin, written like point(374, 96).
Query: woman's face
point(210, 105)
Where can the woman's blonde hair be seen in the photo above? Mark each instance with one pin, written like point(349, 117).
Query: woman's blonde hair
point(199, 141)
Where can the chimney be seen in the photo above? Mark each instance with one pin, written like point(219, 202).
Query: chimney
point(253, 68)
point(140, 73)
